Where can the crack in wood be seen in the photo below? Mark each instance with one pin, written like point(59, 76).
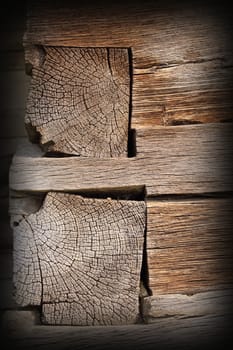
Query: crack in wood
point(89, 254)
point(74, 105)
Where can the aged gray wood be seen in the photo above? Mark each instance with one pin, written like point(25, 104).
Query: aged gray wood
point(181, 306)
point(182, 54)
point(189, 245)
point(80, 259)
point(164, 333)
point(78, 100)
point(170, 160)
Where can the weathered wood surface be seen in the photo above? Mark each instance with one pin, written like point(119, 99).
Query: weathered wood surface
point(182, 54)
point(126, 24)
point(166, 333)
point(189, 245)
point(78, 100)
point(184, 159)
point(80, 259)
point(181, 306)
point(194, 92)
point(182, 36)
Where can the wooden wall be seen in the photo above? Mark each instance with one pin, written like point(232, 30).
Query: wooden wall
point(214, 106)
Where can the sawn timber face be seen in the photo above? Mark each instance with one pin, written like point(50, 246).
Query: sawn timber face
point(79, 259)
point(78, 101)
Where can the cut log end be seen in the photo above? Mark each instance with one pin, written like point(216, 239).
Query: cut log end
point(80, 260)
point(78, 101)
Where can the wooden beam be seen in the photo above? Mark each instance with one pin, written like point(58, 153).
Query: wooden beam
point(181, 306)
point(189, 245)
point(170, 160)
point(189, 82)
point(150, 28)
point(194, 92)
point(164, 333)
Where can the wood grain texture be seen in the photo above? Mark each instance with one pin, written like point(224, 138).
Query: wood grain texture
point(78, 100)
point(189, 245)
point(152, 28)
point(181, 306)
point(182, 54)
point(80, 259)
point(184, 159)
point(194, 92)
point(164, 333)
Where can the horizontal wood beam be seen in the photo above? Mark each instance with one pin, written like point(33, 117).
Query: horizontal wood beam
point(189, 245)
point(164, 333)
point(175, 94)
point(181, 306)
point(170, 160)
point(150, 28)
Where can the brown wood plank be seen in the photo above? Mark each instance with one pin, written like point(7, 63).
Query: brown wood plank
point(197, 92)
point(189, 245)
point(79, 259)
point(150, 28)
point(183, 108)
point(170, 160)
point(78, 100)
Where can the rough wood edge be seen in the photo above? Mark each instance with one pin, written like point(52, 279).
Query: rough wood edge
point(175, 168)
point(215, 302)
